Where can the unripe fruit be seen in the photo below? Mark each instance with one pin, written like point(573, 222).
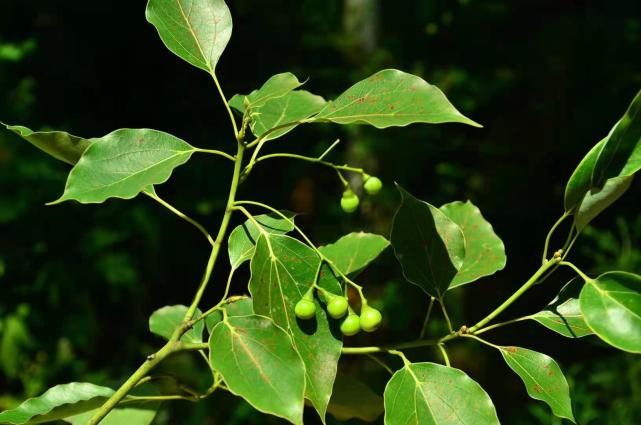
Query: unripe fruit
point(305, 309)
point(373, 185)
point(370, 318)
point(349, 201)
point(351, 325)
point(337, 307)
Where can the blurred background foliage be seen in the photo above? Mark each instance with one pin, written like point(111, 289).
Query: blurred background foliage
point(547, 79)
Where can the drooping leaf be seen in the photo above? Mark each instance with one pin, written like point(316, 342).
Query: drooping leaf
point(611, 306)
point(580, 181)
point(258, 362)
point(294, 106)
point(234, 306)
point(242, 240)
point(621, 153)
point(542, 377)
point(427, 243)
point(354, 251)
point(132, 414)
point(432, 394)
point(58, 402)
point(59, 144)
point(164, 321)
point(282, 270)
point(353, 399)
point(276, 86)
point(563, 315)
point(484, 250)
point(596, 200)
point(124, 163)
point(197, 31)
point(392, 98)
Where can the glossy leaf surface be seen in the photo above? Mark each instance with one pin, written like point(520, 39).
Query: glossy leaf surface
point(258, 362)
point(563, 315)
point(275, 87)
point(164, 321)
point(427, 243)
point(129, 414)
point(542, 377)
point(59, 144)
point(58, 402)
point(432, 394)
point(392, 98)
point(484, 250)
point(282, 270)
point(354, 251)
point(580, 181)
point(596, 200)
point(611, 306)
point(294, 106)
point(197, 31)
point(124, 163)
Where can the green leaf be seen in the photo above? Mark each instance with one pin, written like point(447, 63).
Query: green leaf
point(124, 163)
point(242, 240)
point(59, 144)
point(542, 377)
point(392, 98)
point(621, 153)
point(611, 306)
point(129, 414)
point(484, 250)
point(290, 108)
point(596, 200)
point(197, 31)
point(58, 402)
point(258, 362)
point(580, 181)
point(563, 315)
point(276, 86)
point(282, 270)
point(164, 321)
point(432, 394)
point(234, 306)
point(353, 399)
point(427, 243)
point(353, 252)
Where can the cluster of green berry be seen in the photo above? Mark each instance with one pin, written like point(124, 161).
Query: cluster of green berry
point(338, 307)
point(349, 201)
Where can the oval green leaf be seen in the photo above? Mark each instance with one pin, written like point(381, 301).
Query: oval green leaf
point(563, 315)
point(580, 181)
point(282, 270)
point(197, 31)
point(242, 240)
point(258, 362)
point(392, 98)
point(353, 252)
point(276, 86)
point(427, 243)
point(58, 402)
point(164, 321)
point(352, 399)
point(234, 306)
point(59, 144)
point(596, 200)
point(432, 394)
point(611, 306)
point(124, 163)
point(542, 377)
point(129, 414)
point(484, 250)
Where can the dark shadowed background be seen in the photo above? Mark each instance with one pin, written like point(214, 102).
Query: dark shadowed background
point(547, 79)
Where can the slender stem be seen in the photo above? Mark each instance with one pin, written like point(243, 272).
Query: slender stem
point(388, 348)
point(263, 136)
point(482, 341)
point(310, 159)
point(132, 398)
point(446, 358)
point(445, 315)
point(406, 362)
point(328, 150)
point(194, 346)
point(501, 324)
point(216, 152)
point(427, 318)
point(576, 269)
point(549, 236)
point(531, 281)
point(182, 215)
point(380, 363)
point(224, 99)
point(222, 300)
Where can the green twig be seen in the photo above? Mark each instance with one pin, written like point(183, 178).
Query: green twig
point(446, 358)
point(182, 215)
point(427, 318)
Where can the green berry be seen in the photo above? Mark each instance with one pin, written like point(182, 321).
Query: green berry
point(349, 201)
point(351, 325)
point(370, 318)
point(337, 307)
point(305, 309)
point(373, 185)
